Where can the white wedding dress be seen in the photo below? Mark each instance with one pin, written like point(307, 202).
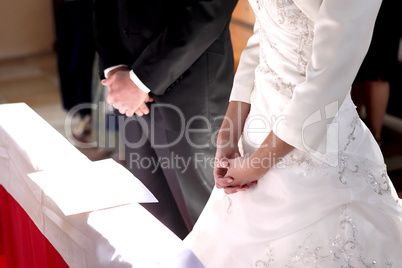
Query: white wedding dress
point(329, 202)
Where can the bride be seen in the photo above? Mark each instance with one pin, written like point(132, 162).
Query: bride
point(306, 186)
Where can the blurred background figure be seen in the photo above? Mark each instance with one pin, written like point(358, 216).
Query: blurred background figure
point(371, 88)
point(75, 58)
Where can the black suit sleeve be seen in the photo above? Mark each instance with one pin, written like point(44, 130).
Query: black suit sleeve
point(182, 42)
point(109, 46)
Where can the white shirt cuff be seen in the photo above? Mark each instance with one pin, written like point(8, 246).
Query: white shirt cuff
point(133, 77)
point(138, 82)
point(107, 70)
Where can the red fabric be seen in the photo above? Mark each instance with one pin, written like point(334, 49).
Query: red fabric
point(3, 261)
point(21, 243)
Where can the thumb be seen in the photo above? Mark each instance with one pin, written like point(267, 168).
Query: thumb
point(225, 162)
point(106, 82)
point(222, 163)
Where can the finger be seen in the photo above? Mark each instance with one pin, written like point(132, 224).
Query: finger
point(122, 110)
point(144, 108)
point(218, 174)
point(229, 190)
point(129, 113)
point(117, 106)
point(139, 112)
point(110, 99)
point(150, 99)
point(235, 189)
point(223, 182)
point(245, 187)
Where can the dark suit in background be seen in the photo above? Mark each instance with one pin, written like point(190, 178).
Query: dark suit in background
point(181, 50)
point(75, 51)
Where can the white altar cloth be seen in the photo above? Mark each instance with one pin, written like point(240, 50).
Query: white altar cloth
point(123, 236)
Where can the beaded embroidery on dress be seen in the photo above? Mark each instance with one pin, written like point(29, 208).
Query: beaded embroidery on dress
point(336, 210)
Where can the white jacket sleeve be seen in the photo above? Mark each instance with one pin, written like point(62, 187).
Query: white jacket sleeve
point(243, 83)
point(342, 34)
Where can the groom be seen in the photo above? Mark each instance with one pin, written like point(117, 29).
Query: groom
point(171, 64)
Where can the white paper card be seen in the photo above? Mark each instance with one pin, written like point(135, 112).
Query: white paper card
point(93, 186)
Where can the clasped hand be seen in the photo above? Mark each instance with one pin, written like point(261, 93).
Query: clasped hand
point(124, 95)
point(234, 175)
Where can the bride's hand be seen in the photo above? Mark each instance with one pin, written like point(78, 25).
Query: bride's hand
point(240, 173)
point(245, 170)
point(222, 159)
point(226, 149)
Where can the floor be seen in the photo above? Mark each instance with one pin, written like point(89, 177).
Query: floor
point(33, 80)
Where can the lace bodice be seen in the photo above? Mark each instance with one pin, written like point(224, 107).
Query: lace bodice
point(303, 69)
point(293, 26)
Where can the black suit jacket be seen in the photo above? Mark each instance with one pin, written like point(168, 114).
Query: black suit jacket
point(180, 50)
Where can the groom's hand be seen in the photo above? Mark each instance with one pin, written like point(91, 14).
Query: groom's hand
point(124, 95)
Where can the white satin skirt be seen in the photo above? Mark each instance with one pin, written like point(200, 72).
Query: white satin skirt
point(306, 213)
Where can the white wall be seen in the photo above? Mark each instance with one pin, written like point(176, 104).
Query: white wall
point(26, 27)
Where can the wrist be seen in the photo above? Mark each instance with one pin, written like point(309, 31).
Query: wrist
point(223, 139)
point(226, 141)
point(260, 165)
point(118, 69)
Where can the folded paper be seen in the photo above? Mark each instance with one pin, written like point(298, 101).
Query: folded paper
point(92, 186)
